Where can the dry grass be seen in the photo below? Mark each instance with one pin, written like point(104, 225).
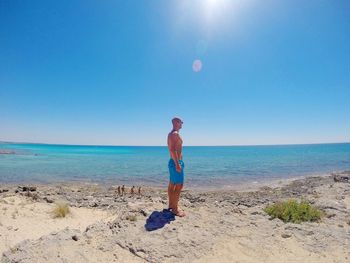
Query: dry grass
point(61, 209)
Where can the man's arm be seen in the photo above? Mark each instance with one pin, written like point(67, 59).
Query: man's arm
point(174, 146)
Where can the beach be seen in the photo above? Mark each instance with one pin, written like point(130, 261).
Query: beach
point(220, 226)
point(203, 131)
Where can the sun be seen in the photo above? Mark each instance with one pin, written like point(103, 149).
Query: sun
point(212, 2)
point(215, 4)
point(210, 16)
point(213, 9)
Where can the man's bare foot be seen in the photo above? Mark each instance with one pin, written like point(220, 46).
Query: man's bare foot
point(179, 213)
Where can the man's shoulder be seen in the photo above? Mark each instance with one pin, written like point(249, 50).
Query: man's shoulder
point(173, 134)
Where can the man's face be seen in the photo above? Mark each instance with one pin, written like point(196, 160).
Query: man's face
point(179, 124)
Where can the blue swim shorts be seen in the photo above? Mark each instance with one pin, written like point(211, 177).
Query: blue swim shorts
point(175, 176)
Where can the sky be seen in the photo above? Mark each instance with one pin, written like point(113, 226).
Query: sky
point(116, 72)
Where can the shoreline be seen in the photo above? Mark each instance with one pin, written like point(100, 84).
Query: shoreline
point(247, 185)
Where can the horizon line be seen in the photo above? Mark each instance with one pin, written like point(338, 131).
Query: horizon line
point(226, 145)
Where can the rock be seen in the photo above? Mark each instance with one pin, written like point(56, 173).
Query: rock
point(309, 233)
point(330, 215)
point(27, 188)
point(143, 212)
point(48, 200)
point(75, 238)
point(157, 199)
point(26, 251)
point(293, 227)
point(7, 152)
point(35, 196)
point(334, 205)
point(89, 197)
point(193, 199)
point(342, 177)
point(93, 204)
point(286, 235)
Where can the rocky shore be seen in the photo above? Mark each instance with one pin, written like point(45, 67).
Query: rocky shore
point(7, 152)
point(220, 226)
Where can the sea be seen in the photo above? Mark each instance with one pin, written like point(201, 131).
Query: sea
point(205, 166)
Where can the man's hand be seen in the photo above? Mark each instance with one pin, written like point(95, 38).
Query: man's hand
point(178, 168)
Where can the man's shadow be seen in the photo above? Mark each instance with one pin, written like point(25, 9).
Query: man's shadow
point(158, 219)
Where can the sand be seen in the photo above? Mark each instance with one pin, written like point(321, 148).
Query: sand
point(21, 218)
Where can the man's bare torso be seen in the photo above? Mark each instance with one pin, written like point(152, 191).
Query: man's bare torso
point(175, 145)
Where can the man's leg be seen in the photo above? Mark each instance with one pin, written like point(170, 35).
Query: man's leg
point(171, 195)
point(177, 191)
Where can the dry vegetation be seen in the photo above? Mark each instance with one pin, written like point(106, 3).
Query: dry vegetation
point(61, 209)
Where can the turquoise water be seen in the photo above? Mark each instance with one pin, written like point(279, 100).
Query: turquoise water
point(204, 166)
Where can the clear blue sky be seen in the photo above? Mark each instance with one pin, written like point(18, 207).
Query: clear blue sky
point(116, 72)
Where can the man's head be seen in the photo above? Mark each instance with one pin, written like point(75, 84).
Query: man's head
point(177, 123)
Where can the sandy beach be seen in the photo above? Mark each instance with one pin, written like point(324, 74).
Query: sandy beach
point(220, 226)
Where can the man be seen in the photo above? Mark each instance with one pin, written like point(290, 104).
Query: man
point(176, 167)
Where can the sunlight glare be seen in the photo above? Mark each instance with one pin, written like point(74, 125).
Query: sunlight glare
point(214, 8)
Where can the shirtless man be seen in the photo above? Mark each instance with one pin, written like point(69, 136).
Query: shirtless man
point(176, 167)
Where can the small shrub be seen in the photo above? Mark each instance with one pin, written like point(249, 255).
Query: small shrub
point(61, 209)
point(292, 211)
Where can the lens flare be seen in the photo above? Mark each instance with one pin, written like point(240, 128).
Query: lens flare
point(197, 65)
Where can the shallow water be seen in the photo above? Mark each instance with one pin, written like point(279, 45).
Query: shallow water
point(204, 166)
